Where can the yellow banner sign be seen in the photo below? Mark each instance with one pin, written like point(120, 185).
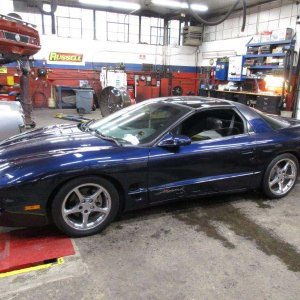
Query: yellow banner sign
point(3, 70)
point(65, 57)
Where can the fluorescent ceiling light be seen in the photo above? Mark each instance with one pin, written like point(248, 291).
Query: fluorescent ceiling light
point(170, 3)
point(114, 4)
point(199, 7)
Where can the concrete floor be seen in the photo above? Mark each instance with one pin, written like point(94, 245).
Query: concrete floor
point(44, 117)
point(223, 247)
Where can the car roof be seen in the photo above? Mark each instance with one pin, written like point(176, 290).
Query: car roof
point(196, 102)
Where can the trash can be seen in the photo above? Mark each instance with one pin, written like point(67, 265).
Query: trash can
point(84, 100)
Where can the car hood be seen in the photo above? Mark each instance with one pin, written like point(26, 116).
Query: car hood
point(50, 141)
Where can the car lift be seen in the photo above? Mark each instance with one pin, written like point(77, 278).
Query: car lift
point(25, 94)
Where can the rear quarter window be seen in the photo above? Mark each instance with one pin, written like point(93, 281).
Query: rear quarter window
point(273, 121)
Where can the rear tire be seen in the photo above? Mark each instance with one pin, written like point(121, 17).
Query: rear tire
point(85, 206)
point(280, 176)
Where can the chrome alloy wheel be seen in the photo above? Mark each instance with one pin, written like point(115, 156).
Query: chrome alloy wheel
point(86, 206)
point(282, 176)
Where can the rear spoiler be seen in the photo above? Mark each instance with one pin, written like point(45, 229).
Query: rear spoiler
point(8, 18)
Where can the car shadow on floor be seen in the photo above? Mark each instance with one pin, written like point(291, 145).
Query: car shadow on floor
point(185, 205)
point(207, 215)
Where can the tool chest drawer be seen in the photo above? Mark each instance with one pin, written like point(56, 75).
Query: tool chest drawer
point(269, 104)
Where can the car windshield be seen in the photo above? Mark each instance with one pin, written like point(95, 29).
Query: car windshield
point(139, 124)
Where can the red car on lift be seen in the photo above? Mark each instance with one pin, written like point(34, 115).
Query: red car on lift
point(18, 39)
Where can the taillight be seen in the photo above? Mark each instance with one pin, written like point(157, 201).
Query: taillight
point(1, 35)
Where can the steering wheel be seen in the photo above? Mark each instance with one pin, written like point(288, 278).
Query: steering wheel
point(140, 133)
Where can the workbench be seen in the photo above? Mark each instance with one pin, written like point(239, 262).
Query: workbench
point(266, 102)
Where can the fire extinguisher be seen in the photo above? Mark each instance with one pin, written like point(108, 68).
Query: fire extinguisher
point(212, 74)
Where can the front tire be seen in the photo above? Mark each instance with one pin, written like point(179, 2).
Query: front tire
point(85, 206)
point(280, 176)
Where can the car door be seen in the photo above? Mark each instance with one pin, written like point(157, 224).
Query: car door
point(217, 164)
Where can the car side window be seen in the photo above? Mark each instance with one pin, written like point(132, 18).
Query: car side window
point(211, 124)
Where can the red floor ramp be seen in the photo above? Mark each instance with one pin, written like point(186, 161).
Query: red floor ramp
point(25, 248)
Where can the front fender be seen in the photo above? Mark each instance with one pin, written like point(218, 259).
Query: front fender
point(34, 180)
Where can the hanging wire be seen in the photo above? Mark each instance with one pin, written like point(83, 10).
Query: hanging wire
point(213, 23)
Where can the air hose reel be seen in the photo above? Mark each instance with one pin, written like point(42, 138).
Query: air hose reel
point(213, 23)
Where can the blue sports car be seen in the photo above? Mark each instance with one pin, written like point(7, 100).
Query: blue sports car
point(81, 177)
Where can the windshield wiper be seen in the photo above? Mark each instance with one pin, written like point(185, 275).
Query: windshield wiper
point(85, 126)
point(107, 138)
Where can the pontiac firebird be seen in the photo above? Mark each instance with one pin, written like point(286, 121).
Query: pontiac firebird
point(81, 176)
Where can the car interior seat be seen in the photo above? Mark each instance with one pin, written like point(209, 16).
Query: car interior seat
point(213, 123)
point(213, 128)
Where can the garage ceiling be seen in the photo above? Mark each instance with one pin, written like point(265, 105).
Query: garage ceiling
point(148, 8)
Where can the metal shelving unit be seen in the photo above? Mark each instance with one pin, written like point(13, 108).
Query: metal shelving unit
point(283, 68)
point(269, 43)
point(264, 55)
point(284, 55)
point(266, 67)
point(289, 44)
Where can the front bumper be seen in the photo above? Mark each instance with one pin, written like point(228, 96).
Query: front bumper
point(14, 218)
point(9, 219)
point(1, 206)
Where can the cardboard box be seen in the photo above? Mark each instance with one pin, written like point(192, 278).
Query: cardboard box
point(282, 34)
point(278, 49)
point(265, 38)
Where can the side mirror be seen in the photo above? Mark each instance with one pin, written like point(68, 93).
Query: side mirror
point(173, 141)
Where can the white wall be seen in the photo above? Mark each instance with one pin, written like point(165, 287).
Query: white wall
point(102, 51)
point(114, 52)
point(228, 38)
point(223, 40)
